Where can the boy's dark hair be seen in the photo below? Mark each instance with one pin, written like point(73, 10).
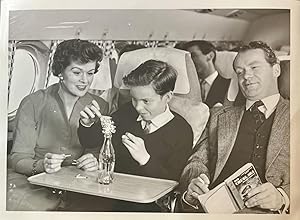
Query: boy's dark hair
point(159, 74)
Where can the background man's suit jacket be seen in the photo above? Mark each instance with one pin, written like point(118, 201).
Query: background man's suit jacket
point(217, 92)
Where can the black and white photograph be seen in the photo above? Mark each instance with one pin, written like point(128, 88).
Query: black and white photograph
point(120, 111)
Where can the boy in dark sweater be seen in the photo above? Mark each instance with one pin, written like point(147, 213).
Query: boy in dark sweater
point(151, 140)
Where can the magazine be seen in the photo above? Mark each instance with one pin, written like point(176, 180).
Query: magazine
point(230, 195)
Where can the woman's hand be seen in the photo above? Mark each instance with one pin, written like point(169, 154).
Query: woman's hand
point(136, 148)
point(89, 113)
point(87, 162)
point(52, 162)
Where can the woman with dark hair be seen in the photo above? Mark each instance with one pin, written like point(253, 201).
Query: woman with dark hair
point(46, 138)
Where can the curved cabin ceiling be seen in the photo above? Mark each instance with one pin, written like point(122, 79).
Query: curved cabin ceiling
point(139, 24)
point(244, 14)
point(269, 25)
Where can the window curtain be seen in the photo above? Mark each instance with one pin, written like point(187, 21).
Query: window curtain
point(11, 55)
point(53, 46)
point(107, 46)
point(154, 43)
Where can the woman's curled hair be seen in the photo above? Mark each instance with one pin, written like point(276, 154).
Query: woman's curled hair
point(75, 50)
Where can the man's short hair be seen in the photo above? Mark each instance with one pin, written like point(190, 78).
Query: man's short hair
point(204, 46)
point(270, 56)
point(159, 74)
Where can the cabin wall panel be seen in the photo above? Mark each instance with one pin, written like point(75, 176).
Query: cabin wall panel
point(273, 29)
point(123, 25)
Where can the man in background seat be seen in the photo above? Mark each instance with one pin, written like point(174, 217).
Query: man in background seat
point(213, 86)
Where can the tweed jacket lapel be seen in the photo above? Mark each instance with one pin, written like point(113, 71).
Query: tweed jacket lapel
point(228, 123)
point(277, 139)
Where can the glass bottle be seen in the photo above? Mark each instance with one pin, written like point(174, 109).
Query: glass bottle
point(106, 161)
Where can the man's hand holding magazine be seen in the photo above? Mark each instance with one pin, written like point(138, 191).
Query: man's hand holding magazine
point(265, 196)
point(243, 189)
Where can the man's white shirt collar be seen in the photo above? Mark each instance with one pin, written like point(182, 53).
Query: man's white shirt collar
point(158, 121)
point(269, 106)
point(211, 78)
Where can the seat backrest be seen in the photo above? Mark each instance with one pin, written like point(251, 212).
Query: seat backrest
point(284, 79)
point(187, 95)
point(186, 81)
point(102, 79)
point(224, 65)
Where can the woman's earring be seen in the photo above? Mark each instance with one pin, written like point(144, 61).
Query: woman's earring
point(61, 78)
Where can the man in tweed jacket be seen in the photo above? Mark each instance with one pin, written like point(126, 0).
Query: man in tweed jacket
point(233, 139)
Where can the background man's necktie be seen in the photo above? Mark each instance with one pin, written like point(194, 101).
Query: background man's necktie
point(257, 114)
point(204, 89)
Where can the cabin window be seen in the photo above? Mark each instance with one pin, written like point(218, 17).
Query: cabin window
point(25, 76)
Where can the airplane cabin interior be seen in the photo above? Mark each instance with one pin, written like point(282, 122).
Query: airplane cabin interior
point(129, 37)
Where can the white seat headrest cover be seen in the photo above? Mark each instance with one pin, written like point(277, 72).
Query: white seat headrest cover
point(102, 79)
point(176, 58)
point(224, 65)
point(224, 61)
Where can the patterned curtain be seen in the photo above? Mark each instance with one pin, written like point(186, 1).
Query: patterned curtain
point(107, 46)
point(11, 55)
point(154, 43)
point(53, 46)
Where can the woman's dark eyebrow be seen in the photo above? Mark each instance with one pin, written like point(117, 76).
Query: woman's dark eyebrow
point(75, 67)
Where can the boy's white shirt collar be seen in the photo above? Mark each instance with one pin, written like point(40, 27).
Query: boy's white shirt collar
point(158, 121)
point(269, 106)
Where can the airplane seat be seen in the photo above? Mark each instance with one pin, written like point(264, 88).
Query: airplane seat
point(186, 100)
point(224, 61)
point(224, 65)
point(102, 83)
point(284, 79)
